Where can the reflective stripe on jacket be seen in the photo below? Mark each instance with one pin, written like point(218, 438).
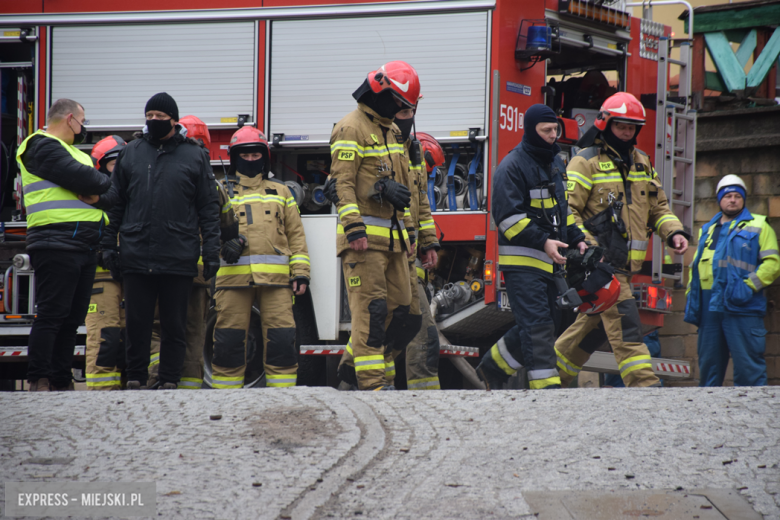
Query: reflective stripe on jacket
point(737, 271)
point(596, 178)
point(276, 249)
point(48, 203)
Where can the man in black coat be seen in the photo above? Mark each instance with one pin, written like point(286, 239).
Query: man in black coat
point(62, 236)
point(165, 198)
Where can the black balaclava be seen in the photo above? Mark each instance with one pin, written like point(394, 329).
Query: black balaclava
point(405, 125)
point(623, 148)
point(533, 116)
point(383, 103)
point(250, 168)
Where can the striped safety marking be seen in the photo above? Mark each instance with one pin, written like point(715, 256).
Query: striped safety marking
point(673, 368)
point(338, 350)
point(80, 350)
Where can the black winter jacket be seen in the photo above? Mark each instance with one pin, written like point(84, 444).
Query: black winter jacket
point(164, 200)
point(521, 185)
point(49, 160)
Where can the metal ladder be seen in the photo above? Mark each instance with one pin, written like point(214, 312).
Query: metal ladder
point(675, 154)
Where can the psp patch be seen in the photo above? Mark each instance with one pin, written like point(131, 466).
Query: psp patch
point(346, 156)
point(570, 185)
point(354, 281)
point(604, 166)
point(92, 308)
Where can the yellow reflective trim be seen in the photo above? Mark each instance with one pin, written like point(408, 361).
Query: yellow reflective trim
point(253, 268)
point(420, 384)
point(516, 228)
point(570, 220)
point(116, 383)
point(376, 366)
point(103, 375)
point(565, 364)
point(580, 178)
point(300, 259)
point(376, 231)
point(526, 261)
point(665, 218)
point(632, 359)
point(548, 203)
point(369, 363)
point(636, 254)
point(425, 224)
point(349, 347)
point(421, 273)
point(499, 360)
point(537, 384)
point(600, 178)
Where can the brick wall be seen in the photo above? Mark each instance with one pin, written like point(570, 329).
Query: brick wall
point(747, 143)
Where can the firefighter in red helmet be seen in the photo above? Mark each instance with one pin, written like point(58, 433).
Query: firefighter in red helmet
point(612, 182)
point(105, 319)
point(200, 296)
point(266, 262)
point(370, 169)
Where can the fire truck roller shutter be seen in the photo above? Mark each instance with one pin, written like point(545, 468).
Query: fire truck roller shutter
point(129, 63)
point(448, 50)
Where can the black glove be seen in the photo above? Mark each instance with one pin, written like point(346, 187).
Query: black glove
point(396, 193)
point(300, 280)
point(110, 260)
point(209, 270)
point(329, 190)
point(232, 249)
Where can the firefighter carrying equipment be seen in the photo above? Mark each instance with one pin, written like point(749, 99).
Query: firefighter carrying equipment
point(363, 148)
point(610, 231)
point(597, 178)
point(105, 322)
point(396, 194)
point(106, 150)
point(593, 279)
point(620, 324)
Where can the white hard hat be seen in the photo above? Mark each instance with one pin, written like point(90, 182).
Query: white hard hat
point(730, 180)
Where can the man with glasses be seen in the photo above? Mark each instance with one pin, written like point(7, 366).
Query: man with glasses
point(62, 236)
point(165, 199)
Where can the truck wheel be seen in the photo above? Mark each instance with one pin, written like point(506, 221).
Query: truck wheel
point(255, 372)
point(311, 369)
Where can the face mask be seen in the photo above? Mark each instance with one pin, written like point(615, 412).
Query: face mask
point(158, 128)
point(81, 136)
point(406, 127)
point(250, 168)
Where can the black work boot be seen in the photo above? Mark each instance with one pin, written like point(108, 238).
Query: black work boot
point(135, 385)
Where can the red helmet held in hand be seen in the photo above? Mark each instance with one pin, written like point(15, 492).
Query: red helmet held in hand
point(602, 299)
point(105, 150)
point(621, 108)
point(400, 78)
point(196, 129)
point(432, 151)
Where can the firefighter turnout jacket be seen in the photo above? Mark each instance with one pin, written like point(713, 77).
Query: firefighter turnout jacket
point(597, 177)
point(364, 150)
point(529, 204)
point(276, 252)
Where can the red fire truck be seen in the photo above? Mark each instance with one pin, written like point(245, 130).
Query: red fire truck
point(289, 67)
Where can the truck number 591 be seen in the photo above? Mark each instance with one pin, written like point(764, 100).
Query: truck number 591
point(511, 119)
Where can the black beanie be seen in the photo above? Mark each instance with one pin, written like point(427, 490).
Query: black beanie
point(164, 103)
point(533, 116)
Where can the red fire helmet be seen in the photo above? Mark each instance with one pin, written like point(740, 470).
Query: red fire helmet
point(107, 149)
point(602, 299)
point(432, 150)
point(621, 108)
point(196, 129)
point(400, 78)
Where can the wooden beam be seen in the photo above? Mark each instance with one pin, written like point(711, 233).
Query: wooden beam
point(759, 16)
point(765, 61)
point(728, 66)
point(698, 80)
point(712, 81)
point(747, 47)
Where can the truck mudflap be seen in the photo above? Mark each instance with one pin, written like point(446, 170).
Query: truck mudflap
point(338, 350)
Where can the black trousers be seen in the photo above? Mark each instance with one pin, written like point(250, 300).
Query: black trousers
point(142, 292)
point(63, 287)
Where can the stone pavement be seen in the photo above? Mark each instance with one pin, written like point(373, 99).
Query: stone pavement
point(318, 453)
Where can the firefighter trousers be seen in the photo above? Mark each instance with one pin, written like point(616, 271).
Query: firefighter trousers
point(192, 370)
point(620, 325)
point(532, 294)
point(234, 313)
point(380, 297)
point(723, 335)
point(105, 323)
point(422, 353)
